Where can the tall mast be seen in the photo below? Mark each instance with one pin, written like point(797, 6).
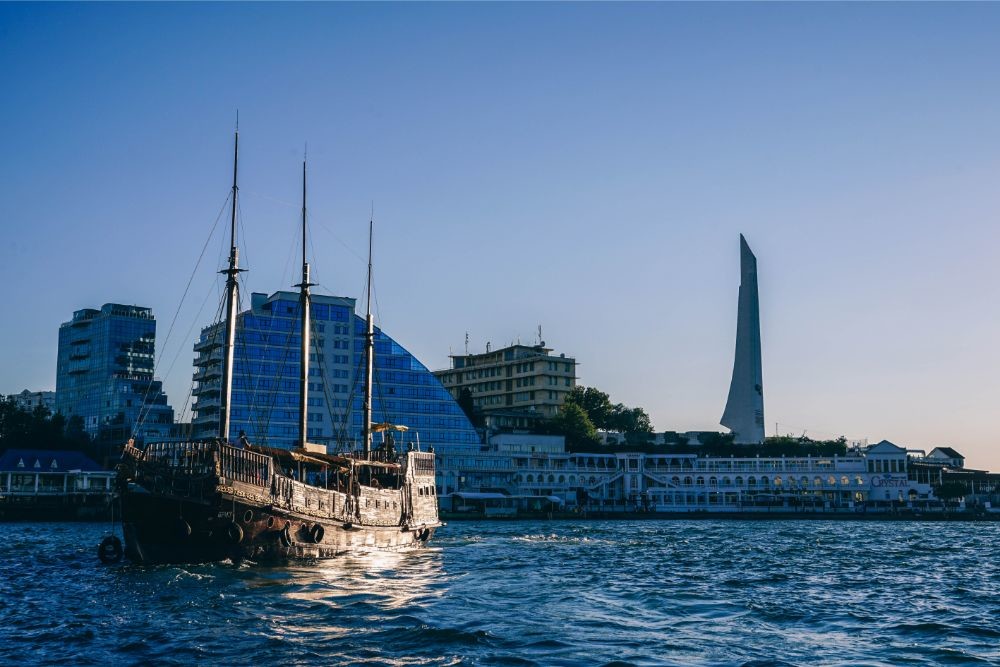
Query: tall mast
point(231, 300)
point(369, 351)
point(304, 313)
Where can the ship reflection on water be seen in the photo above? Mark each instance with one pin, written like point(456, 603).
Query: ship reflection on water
point(349, 596)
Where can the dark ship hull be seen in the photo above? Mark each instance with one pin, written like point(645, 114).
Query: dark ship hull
point(203, 502)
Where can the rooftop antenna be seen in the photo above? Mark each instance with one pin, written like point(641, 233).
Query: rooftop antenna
point(304, 320)
point(232, 296)
point(466, 343)
point(366, 433)
point(540, 340)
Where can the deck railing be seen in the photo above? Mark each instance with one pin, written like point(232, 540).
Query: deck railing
point(244, 466)
point(192, 458)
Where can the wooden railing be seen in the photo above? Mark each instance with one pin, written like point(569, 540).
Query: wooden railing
point(192, 458)
point(244, 466)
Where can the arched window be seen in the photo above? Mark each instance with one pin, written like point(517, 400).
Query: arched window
point(562, 479)
point(552, 478)
point(860, 481)
point(803, 481)
point(818, 481)
point(593, 480)
point(713, 481)
point(726, 481)
point(777, 480)
point(572, 479)
point(687, 480)
point(739, 481)
point(675, 480)
point(700, 481)
point(831, 481)
point(844, 481)
point(531, 478)
point(752, 481)
point(764, 481)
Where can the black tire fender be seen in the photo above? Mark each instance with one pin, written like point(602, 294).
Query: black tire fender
point(110, 550)
point(234, 533)
point(316, 533)
point(285, 535)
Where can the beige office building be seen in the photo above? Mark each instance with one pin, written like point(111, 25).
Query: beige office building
point(514, 387)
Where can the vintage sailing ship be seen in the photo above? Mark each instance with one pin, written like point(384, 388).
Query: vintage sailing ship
point(200, 501)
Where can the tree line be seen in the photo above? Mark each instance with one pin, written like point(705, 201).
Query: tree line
point(40, 429)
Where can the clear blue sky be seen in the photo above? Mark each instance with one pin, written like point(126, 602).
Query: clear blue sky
point(586, 167)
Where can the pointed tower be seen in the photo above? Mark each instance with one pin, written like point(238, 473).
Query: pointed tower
point(744, 414)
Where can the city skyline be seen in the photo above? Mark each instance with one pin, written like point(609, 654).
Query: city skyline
point(591, 180)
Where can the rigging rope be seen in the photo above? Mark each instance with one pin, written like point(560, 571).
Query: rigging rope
point(142, 416)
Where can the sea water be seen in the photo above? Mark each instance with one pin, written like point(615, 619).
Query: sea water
point(526, 593)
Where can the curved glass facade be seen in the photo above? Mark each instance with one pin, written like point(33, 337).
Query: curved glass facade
point(265, 395)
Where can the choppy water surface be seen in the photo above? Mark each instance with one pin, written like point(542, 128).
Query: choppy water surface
point(526, 593)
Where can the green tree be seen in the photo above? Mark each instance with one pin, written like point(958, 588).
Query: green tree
point(573, 423)
point(469, 408)
point(39, 429)
point(608, 416)
point(595, 403)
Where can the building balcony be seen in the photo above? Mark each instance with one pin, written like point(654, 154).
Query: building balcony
point(207, 373)
point(206, 403)
point(206, 389)
point(215, 357)
point(207, 344)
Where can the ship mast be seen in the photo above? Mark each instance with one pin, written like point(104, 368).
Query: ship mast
point(366, 433)
point(304, 313)
point(232, 296)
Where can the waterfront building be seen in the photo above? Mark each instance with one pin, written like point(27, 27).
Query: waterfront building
point(36, 484)
point(265, 395)
point(514, 387)
point(104, 375)
point(946, 456)
point(744, 413)
point(32, 472)
point(29, 400)
point(879, 477)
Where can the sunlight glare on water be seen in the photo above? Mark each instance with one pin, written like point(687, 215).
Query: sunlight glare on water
point(527, 593)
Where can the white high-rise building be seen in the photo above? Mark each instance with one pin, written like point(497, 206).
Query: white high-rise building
point(744, 414)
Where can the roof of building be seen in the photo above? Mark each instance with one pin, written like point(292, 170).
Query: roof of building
point(947, 451)
point(885, 447)
point(37, 460)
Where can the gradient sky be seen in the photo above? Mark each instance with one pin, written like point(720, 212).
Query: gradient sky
point(586, 167)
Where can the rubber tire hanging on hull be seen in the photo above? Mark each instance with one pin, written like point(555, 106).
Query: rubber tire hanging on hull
point(110, 550)
point(234, 533)
point(316, 533)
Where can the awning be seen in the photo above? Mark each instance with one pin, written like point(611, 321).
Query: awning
point(387, 426)
point(555, 499)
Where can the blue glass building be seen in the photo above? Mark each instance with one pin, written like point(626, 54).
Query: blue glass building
point(265, 398)
point(104, 375)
